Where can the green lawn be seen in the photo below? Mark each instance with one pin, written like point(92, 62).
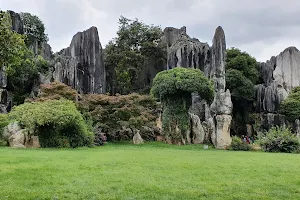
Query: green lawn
point(150, 171)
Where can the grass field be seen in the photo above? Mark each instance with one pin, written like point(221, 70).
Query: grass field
point(150, 171)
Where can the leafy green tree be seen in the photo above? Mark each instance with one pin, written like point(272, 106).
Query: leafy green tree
point(125, 55)
point(34, 28)
point(174, 87)
point(11, 43)
point(290, 107)
point(22, 66)
point(241, 76)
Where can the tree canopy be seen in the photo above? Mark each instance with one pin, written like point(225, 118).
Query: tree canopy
point(241, 73)
point(126, 54)
point(33, 28)
point(290, 107)
point(182, 80)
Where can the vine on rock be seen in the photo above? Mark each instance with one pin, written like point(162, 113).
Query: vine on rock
point(174, 88)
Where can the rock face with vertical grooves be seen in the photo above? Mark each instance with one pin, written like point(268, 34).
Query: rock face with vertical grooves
point(279, 75)
point(221, 107)
point(81, 65)
point(184, 51)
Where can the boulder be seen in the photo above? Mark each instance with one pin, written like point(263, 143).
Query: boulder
point(297, 128)
point(3, 77)
point(222, 138)
point(222, 103)
point(19, 138)
point(137, 139)
point(198, 134)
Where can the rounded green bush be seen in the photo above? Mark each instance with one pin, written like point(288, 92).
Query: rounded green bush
point(57, 123)
point(279, 139)
point(182, 80)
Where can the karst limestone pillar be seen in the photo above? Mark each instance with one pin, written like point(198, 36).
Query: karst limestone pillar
point(3, 91)
point(221, 108)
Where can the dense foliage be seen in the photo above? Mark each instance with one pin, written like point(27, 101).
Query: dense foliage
point(4, 121)
point(279, 139)
point(174, 87)
point(241, 76)
point(34, 28)
point(55, 90)
point(22, 66)
point(126, 55)
point(182, 80)
point(11, 43)
point(119, 116)
point(290, 107)
point(57, 123)
point(116, 116)
point(238, 145)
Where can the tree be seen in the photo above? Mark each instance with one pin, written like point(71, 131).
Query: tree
point(12, 44)
point(22, 66)
point(174, 87)
point(34, 28)
point(290, 107)
point(125, 55)
point(241, 76)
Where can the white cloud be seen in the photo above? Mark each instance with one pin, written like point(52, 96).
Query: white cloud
point(262, 28)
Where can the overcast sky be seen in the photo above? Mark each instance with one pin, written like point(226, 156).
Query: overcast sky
point(263, 28)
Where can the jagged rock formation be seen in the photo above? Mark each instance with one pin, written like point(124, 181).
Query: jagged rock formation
point(3, 91)
point(81, 65)
point(221, 107)
point(184, 51)
point(17, 23)
point(279, 75)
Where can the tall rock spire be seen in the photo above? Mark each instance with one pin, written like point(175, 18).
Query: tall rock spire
point(221, 108)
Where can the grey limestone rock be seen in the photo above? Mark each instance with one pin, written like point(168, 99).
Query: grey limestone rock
point(81, 65)
point(184, 51)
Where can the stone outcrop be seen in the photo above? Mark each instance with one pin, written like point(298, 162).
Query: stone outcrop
point(137, 138)
point(187, 52)
point(183, 51)
point(279, 75)
point(221, 107)
point(19, 138)
point(17, 23)
point(198, 134)
point(81, 65)
point(222, 138)
point(3, 92)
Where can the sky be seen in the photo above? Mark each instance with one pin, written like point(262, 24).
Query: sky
point(263, 28)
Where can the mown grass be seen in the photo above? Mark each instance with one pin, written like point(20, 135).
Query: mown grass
point(150, 171)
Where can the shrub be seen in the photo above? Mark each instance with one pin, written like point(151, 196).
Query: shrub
point(279, 139)
point(3, 122)
point(57, 123)
point(119, 115)
point(55, 90)
point(290, 107)
point(238, 145)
